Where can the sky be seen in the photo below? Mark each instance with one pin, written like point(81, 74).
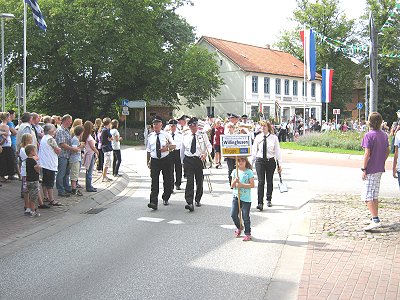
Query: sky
point(254, 22)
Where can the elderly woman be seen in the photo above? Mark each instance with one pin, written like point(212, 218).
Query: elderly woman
point(6, 156)
point(266, 154)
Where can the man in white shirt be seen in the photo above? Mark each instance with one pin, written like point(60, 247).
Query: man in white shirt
point(159, 145)
point(176, 164)
point(193, 154)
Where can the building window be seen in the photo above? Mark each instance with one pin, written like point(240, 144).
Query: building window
point(305, 90)
point(266, 85)
point(254, 111)
point(277, 86)
point(286, 87)
point(254, 84)
point(266, 112)
point(295, 87)
point(313, 89)
point(210, 111)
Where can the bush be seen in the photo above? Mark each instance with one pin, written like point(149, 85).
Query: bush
point(350, 140)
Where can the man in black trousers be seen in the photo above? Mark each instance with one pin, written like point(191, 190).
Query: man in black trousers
point(159, 145)
point(176, 164)
point(193, 153)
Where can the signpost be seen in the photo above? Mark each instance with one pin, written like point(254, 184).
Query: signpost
point(235, 145)
point(126, 104)
point(336, 112)
point(359, 107)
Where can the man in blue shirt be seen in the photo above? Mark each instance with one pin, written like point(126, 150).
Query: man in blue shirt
point(11, 125)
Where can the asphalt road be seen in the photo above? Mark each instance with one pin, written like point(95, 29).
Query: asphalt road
point(130, 252)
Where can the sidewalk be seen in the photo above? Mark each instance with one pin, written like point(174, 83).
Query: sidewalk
point(343, 261)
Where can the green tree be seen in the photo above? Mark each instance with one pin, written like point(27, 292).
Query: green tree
point(388, 44)
point(97, 52)
point(326, 18)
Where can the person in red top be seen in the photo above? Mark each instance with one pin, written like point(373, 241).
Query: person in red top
point(219, 130)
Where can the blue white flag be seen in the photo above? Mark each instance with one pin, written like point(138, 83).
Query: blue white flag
point(37, 14)
point(327, 75)
point(310, 53)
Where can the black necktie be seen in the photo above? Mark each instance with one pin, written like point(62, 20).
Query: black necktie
point(34, 129)
point(193, 146)
point(265, 148)
point(158, 146)
point(173, 134)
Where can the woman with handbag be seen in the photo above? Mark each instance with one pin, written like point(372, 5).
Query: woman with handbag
point(266, 153)
point(89, 156)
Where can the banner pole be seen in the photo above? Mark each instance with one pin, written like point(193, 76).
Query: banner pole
point(239, 210)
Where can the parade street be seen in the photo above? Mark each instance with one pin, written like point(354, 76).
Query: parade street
point(128, 251)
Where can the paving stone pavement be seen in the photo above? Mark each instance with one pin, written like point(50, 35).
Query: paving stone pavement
point(345, 262)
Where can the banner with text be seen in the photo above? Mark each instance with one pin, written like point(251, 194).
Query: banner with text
point(236, 145)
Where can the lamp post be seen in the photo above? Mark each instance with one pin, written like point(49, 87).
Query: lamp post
point(3, 68)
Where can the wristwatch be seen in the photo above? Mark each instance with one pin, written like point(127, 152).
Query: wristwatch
point(363, 169)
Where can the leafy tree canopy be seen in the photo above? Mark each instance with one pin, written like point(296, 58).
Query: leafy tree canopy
point(95, 53)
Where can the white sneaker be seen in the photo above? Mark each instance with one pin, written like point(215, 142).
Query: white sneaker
point(28, 211)
point(35, 214)
point(372, 225)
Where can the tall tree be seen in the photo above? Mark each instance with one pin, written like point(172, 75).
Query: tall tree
point(387, 22)
point(96, 52)
point(326, 18)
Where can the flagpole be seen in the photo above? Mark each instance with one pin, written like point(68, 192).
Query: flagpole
point(326, 103)
point(24, 76)
point(304, 82)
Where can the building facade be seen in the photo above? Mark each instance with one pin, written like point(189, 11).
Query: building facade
point(259, 79)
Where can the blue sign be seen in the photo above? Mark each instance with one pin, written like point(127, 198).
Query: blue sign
point(125, 102)
point(359, 105)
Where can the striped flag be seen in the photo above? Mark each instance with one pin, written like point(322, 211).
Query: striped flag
point(327, 76)
point(310, 53)
point(37, 14)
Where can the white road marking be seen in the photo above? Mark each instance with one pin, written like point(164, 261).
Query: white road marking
point(155, 220)
point(176, 222)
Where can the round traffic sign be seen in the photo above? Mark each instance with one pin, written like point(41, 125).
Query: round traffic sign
point(359, 105)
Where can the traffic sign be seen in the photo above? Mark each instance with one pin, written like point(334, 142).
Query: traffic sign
point(125, 108)
point(359, 105)
point(125, 102)
point(336, 111)
point(137, 104)
point(125, 112)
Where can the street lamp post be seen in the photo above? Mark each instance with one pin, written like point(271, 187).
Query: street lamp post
point(3, 68)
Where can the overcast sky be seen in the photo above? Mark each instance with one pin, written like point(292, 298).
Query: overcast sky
point(254, 22)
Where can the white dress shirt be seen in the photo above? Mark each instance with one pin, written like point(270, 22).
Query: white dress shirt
point(165, 138)
point(273, 147)
point(177, 136)
point(202, 141)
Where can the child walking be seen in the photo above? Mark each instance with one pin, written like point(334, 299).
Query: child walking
point(32, 178)
point(244, 182)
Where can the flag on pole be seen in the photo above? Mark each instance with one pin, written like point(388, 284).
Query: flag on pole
point(327, 76)
point(37, 14)
point(310, 53)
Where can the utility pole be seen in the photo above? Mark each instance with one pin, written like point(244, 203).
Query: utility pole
point(373, 65)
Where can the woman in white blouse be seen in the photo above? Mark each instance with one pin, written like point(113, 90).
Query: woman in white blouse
point(266, 154)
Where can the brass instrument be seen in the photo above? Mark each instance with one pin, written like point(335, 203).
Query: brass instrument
point(203, 148)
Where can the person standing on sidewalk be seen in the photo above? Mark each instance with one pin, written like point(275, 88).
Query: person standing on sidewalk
point(116, 146)
point(396, 158)
point(376, 151)
point(89, 156)
point(266, 153)
point(32, 178)
point(63, 139)
point(193, 155)
point(159, 145)
point(13, 131)
point(106, 147)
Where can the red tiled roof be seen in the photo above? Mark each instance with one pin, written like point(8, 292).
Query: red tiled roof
point(259, 59)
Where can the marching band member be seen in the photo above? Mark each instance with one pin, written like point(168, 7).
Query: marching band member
point(176, 165)
point(266, 152)
point(159, 143)
point(192, 158)
point(182, 124)
point(232, 118)
point(219, 130)
point(231, 162)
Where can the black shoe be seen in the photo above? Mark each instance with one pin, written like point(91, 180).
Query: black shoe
point(65, 194)
point(44, 206)
point(178, 187)
point(190, 207)
point(260, 207)
point(198, 204)
point(165, 202)
point(152, 206)
point(92, 190)
point(269, 204)
point(12, 178)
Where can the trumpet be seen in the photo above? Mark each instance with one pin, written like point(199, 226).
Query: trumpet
point(203, 148)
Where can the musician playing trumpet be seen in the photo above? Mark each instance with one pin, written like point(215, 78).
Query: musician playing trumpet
point(192, 156)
